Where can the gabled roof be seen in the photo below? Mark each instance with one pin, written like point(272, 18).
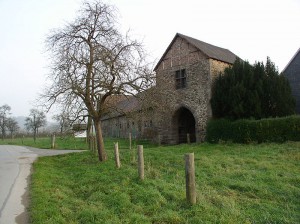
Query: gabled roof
point(211, 51)
point(298, 52)
point(127, 104)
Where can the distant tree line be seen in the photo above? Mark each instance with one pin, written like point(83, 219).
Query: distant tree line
point(64, 121)
point(34, 121)
point(7, 124)
point(246, 91)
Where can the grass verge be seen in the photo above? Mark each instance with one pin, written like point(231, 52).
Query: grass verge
point(66, 142)
point(235, 184)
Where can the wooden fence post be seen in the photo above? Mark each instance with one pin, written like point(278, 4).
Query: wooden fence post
point(188, 138)
point(95, 144)
point(159, 140)
point(117, 157)
point(130, 140)
point(190, 178)
point(90, 143)
point(141, 162)
point(53, 141)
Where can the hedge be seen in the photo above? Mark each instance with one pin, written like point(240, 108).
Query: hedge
point(247, 131)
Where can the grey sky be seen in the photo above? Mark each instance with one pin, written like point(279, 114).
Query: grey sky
point(252, 30)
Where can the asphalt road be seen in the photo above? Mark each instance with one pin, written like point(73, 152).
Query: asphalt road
point(15, 169)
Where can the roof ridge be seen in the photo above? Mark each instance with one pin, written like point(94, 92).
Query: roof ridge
point(202, 41)
point(211, 51)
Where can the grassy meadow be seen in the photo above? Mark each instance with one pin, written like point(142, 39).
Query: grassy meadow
point(235, 184)
point(67, 142)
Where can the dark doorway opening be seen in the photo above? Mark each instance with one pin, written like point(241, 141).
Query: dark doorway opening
point(186, 125)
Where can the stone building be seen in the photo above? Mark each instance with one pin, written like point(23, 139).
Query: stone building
point(292, 73)
point(179, 104)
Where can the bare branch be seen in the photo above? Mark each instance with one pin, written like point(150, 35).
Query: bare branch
point(91, 62)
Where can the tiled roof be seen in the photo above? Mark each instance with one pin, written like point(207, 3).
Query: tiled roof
point(128, 104)
point(211, 51)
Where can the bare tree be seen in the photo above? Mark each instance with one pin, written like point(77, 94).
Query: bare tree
point(64, 121)
point(12, 126)
point(35, 120)
point(92, 60)
point(4, 111)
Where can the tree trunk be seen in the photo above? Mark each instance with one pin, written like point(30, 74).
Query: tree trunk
point(34, 134)
point(100, 144)
point(89, 131)
point(3, 130)
point(89, 126)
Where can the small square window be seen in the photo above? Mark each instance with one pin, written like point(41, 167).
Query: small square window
point(180, 79)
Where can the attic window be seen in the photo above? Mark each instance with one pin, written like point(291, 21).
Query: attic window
point(180, 79)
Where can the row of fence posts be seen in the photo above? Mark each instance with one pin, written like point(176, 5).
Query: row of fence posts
point(159, 139)
point(92, 141)
point(189, 164)
point(189, 170)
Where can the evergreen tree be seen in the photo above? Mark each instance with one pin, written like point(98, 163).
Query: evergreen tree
point(277, 97)
point(245, 91)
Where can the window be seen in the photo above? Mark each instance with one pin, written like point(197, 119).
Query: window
point(180, 79)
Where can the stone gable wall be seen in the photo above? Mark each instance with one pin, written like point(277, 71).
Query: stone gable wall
point(216, 67)
point(194, 97)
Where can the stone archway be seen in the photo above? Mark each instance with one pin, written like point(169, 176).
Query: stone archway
point(184, 123)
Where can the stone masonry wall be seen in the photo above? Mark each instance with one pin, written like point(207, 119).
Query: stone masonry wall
point(140, 125)
point(216, 67)
point(200, 73)
point(194, 97)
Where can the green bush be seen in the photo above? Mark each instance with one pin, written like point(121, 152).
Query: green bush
point(246, 131)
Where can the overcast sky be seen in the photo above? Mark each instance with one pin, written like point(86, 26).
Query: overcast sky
point(252, 29)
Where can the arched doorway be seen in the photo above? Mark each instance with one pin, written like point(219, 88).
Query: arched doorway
point(184, 123)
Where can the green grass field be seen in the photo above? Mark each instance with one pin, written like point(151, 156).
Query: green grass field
point(67, 142)
point(235, 184)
